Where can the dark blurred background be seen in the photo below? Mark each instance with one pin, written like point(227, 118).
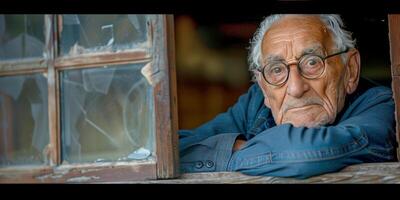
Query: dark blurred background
point(211, 59)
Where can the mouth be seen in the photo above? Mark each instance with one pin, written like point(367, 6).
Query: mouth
point(301, 108)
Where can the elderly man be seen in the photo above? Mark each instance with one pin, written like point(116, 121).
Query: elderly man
point(308, 114)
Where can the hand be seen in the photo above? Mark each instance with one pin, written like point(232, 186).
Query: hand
point(238, 144)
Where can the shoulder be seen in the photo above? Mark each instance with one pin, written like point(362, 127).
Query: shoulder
point(377, 93)
point(249, 106)
point(255, 99)
point(255, 108)
point(252, 98)
point(379, 90)
point(368, 100)
point(255, 91)
point(369, 91)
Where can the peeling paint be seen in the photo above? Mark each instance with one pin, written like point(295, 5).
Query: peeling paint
point(78, 50)
point(82, 179)
point(83, 171)
point(57, 174)
point(49, 176)
point(152, 75)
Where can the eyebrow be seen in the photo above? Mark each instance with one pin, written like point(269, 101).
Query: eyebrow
point(311, 50)
point(317, 48)
point(274, 58)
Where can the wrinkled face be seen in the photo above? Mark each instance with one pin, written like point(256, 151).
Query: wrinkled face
point(301, 101)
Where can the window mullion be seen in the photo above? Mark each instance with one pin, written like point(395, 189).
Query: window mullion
point(53, 151)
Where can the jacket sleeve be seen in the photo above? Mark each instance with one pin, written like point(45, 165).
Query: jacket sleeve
point(287, 151)
point(209, 147)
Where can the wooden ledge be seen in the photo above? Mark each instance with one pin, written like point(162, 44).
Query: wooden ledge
point(362, 173)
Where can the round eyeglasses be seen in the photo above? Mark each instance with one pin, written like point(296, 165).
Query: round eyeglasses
point(311, 66)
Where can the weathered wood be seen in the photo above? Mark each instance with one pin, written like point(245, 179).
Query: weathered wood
point(394, 38)
point(165, 99)
point(89, 173)
point(23, 72)
point(363, 173)
point(22, 65)
point(22, 174)
point(396, 96)
point(51, 151)
point(97, 65)
point(173, 95)
point(97, 59)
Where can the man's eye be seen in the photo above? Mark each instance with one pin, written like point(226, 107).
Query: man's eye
point(276, 70)
point(312, 62)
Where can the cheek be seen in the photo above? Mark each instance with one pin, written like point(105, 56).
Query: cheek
point(332, 92)
point(273, 99)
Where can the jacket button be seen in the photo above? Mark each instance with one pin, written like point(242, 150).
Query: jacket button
point(199, 164)
point(209, 163)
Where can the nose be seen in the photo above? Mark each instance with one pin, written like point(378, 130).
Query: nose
point(297, 86)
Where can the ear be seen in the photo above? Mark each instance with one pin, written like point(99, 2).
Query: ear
point(352, 71)
point(262, 86)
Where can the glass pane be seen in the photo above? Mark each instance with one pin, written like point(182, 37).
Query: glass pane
point(21, 36)
point(96, 33)
point(24, 130)
point(107, 114)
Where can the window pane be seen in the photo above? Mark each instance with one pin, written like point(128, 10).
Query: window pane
point(21, 36)
point(99, 33)
point(106, 114)
point(24, 132)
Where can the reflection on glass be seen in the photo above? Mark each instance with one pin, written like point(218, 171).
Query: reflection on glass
point(96, 33)
point(24, 127)
point(21, 36)
point(106, 114)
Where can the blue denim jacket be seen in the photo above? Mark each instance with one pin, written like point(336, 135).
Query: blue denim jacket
point(363, 132)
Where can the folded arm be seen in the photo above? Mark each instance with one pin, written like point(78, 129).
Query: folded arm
point(288, 151)
point(366, 135)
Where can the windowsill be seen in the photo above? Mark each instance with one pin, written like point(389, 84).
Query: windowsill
point(362, 173)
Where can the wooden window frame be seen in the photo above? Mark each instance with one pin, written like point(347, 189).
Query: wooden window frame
point(165, 164)
point(394, 39)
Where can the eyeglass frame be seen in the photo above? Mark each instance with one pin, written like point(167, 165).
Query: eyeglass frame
point(298, 67)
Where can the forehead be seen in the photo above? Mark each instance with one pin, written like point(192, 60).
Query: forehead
point(295, 33)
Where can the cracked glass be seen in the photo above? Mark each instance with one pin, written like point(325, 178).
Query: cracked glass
point(82, 34)
point(106, 114)
point(21, 37)
point(24, 129)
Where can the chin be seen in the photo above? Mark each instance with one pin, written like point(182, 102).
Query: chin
point(308, 124)
point(310, 118)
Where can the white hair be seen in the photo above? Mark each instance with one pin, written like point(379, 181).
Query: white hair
point(333, 23)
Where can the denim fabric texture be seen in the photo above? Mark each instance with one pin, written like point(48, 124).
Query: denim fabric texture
point(364, 131)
